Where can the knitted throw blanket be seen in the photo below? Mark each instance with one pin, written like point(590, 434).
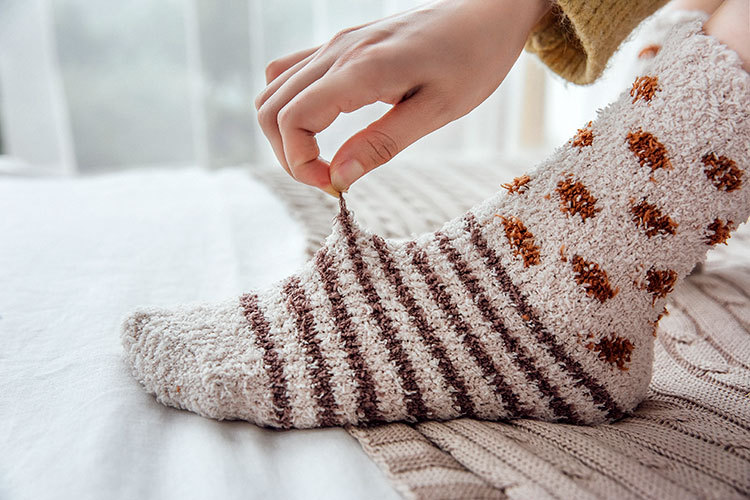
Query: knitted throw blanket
point(689, 439)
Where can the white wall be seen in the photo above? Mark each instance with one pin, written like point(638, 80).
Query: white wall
point(95, 85)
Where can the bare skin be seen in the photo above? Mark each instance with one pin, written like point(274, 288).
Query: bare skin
point(707, 6)
point(433, 64)
point(730, 24)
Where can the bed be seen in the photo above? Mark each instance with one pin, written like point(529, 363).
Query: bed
point(78, 254)
point(75, 256)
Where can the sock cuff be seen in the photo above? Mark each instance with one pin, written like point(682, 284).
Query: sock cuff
point(700, 58)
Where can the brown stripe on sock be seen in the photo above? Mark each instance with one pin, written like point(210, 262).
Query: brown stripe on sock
point(649, 151)
point(593, 279)
point(521, 240)
point(576, 199)
point(452, 376)
point(660, 283)
point(492, 373)
point(412, 394)
point(722, 172)
point(318, 369)
point(650, 218)
point(598, 392)
point(274, 368)
point(719, 232)
point(561, 408)
point(367, 400)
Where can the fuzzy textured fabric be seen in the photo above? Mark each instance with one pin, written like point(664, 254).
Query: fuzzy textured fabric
point(653, 33)
point(540, 302)
point(577, 37)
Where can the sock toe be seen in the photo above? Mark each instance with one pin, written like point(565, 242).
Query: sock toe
point(135, 333)
point(150, 337)
point(189, 358)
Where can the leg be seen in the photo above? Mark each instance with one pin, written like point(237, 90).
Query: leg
point(707, 6)
point(729, 25)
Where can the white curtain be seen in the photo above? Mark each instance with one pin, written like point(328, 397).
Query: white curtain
point(88, 86)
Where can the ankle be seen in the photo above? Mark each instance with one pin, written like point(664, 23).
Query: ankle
point(729, 26)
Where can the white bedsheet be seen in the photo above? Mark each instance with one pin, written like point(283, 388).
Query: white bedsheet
point(75, 256)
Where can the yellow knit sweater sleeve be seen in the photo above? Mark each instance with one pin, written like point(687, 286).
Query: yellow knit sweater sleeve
point(576, 38)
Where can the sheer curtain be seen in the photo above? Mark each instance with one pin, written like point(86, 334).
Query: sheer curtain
point(89, 86)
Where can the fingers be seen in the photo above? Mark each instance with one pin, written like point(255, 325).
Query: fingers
point(278, 94)
point(312, 111)
point(383, 139)
point(280, 65)
point(280, 80)
point(306, 97)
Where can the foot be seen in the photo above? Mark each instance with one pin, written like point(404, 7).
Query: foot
point(540, 302)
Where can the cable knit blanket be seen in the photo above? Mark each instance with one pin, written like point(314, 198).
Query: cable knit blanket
point(689, 439)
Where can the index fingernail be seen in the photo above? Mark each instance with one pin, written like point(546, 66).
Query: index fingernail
point(330, 190)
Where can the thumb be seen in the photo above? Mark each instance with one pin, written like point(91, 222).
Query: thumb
point(383, 139)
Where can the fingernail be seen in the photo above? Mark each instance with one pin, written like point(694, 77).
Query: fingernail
point(345, 175)
point(332, 192)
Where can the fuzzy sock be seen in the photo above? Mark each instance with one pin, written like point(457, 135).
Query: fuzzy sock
point(655, 31)
point(540, 302)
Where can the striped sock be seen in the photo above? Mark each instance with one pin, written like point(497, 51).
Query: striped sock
point(540, 302)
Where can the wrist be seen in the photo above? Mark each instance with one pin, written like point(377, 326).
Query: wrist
point(524, 15)
point(536, 10)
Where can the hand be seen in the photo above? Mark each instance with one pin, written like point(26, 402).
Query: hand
point(434, 64)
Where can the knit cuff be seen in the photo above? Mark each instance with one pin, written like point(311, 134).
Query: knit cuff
point(576, 38)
